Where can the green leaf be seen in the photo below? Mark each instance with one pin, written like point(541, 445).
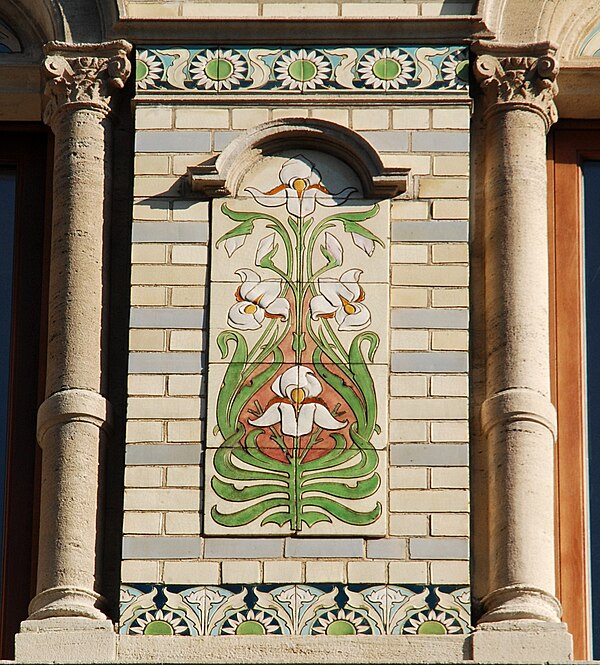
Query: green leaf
point(344, 513)
point(230, 492)
point(231, 380)
point(225, 467)
point(280, 518)
point(243, 229)
point(312, 517)
point(354, 216)
point(237, 216)
point(360, 490)
point(246, 515)
point(298, 342)
point(353, 227)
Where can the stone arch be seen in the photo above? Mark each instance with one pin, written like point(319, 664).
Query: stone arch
point(223, 176)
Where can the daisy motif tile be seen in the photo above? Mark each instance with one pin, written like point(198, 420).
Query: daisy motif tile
point(294, 609)
point(314, 70)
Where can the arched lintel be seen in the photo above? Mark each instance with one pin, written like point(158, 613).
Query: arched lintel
point(223, 176)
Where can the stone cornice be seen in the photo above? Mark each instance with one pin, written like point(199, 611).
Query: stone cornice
point(518, 77)
point(84, 75)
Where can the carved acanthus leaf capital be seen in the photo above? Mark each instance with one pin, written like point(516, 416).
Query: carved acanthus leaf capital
point(84, 75)
point(511, 81)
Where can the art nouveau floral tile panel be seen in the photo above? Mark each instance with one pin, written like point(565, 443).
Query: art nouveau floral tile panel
point(297, 390)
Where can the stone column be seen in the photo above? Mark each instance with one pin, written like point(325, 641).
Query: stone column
point(518, 418)
point(75, 415)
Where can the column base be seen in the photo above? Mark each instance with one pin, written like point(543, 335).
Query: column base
point(66, 640)
point(521, 641)
point(67, 601)
point(520, 601)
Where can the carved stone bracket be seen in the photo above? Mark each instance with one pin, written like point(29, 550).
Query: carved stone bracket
point(510, 78)
point(84, 75)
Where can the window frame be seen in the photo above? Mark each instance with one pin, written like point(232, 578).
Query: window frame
point(26, 146)
point(570, 143)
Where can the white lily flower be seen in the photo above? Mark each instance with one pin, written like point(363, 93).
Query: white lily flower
point(342, 298)
point(366, 244)
point(233, 244)
point(256, 300)
point(264, 247)
point(300, 189)
point(297, 410)
point(334, 247)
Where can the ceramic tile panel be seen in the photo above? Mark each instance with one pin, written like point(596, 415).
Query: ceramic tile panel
point(320, 69)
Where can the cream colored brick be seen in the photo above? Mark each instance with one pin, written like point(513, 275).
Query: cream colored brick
point(146, 340)
point(282, 571)
point(145, 432)
point(379, 9)
point(418, 164)
point(450, 432)
point(408, 477)
point(450, 524)
point(241, 572)
point(410, 340)
point(148, 295)
point(450, 340)
point(449, 572)
point(156, 186)
point(153, 117)
point(245, 118)
point(193, 117)
point(294, 10)
point(450, 210)
point(451, 253)
point(220, 10)
point(142, 523)
point(405, 431)
point(183, 476)
point(152, 165)
point(410, 118)
point(191, 572)
point(337, 115)
point(186, 340)
point(451, 188)
point(290, 113)
point(429, 501)
point(451, 165)
point(450, 386)
point(197, 254)
point(143, 476)
point(181, 162)
point(408, 385)
point(372, 118)
point(362, 572)
point(409, 525)
point(407, 572)
point(163, 407)
point(450, 297)
point(152, 10)
point(419, 275)
point(188, 296)
point(448, 118)
point(190, 211)
point(182, 523)
point(143, 274)
point(409, 253)
point(325, 571)
point(162, 499)
point(157, 210)
point(148, 253)
point(184, 384)
point(426, 408)
point(145, 384)
point(139, 571)
point(410, 210)
point(451, 477)
point(409, 297)
point(183, 432)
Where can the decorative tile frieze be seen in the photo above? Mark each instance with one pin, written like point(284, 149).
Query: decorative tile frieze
point(318, 69)
point(294, 609)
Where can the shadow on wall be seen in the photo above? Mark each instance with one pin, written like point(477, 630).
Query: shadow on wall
point(453, 7)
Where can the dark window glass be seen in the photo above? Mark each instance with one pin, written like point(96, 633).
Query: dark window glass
point(591, 215)
point(7, 225)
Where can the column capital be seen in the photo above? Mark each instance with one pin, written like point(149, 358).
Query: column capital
point(518, 77)
point(84, 75)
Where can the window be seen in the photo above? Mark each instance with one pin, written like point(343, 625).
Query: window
point(574, 189)
point(23, 195)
